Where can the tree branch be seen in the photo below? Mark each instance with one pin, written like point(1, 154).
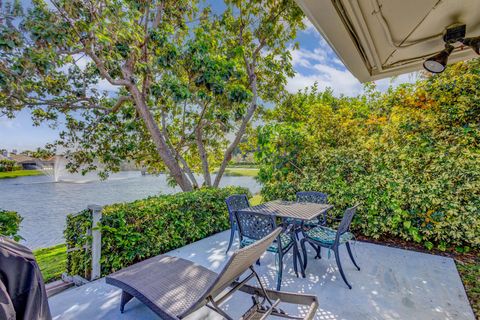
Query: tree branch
point(103, 71)
point(121, 100)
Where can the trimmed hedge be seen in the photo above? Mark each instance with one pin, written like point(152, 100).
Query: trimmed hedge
point(135, 231)
point(78, 240)
point(410, 157)
point(10, 224)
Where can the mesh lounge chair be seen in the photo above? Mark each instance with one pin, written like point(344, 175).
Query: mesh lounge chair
point(174, 288)
point(234, 203)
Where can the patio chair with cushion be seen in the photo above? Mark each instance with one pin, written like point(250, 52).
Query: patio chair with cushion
point(234, 203)
point(331, 239)
point(174, 288)
point(314, 197)
point(254, 226)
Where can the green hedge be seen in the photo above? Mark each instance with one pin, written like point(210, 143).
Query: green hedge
point(409, 156)
point(10, 224)
point(78, 240)
point(135, 231)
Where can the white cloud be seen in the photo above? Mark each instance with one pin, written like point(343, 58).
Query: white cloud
point(8, 123)
point(323, 67)
point(341, 81)
point(304, 58)
point(309, 27)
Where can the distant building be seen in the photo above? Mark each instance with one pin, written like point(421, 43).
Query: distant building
point(26, 162)
point(47, 163)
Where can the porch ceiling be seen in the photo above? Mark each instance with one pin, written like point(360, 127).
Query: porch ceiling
point(376, 39)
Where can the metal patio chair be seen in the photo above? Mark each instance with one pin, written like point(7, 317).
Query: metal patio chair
point(254, 226)
point(234, 203)
point(174, 288)
point(314, 197)
point(331, 239)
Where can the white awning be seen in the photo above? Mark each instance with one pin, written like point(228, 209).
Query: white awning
point(376, 39)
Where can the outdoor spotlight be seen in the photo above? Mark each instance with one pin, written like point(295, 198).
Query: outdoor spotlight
point(473, 43)
point(438, 62)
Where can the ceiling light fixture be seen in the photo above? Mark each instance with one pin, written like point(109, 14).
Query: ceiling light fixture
point(473, 43)
point(454, 33)
point(438, 62)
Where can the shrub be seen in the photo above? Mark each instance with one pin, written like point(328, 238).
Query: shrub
point(135, 231)
point(78, 241)
point(410, 157)
point(8, 165)
point(10, 224)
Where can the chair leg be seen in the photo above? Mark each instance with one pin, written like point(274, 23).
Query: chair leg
point(351, 255)
point(299, 258)
point(125, 298)
point(339, 264)
point(232, 235)
point(295, 261)
point(318, 249)
point(280, 271)
point(304, 251)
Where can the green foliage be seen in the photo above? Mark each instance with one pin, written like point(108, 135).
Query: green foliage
point(183, 81)
point(10, 224)
point(410, 156)
point(135, 231)
point(39, 153)
point(7, 165)
point(78, 240)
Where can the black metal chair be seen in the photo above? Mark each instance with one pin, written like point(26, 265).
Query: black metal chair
point(234, 203)
point(314, 197)
point(254, 226)
point(332, 239)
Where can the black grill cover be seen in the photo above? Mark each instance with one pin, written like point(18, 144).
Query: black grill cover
point(23, 282)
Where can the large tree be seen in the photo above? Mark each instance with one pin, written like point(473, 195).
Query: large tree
point(183, 85)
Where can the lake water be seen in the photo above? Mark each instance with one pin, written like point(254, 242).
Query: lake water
point(44, 204)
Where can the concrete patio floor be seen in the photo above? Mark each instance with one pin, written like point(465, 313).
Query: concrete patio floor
point(392, 284)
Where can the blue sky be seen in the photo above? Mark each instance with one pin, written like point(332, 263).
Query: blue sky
point(314, 62)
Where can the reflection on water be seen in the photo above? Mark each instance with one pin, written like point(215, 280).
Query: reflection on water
point(44, 205)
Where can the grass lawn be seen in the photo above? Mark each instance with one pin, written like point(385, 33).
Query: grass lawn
point(52, 261)
point(256, 200)
point(20, 173)
point(238, 171)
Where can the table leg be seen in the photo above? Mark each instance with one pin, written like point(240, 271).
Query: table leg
point(299, 259)
point(297, 255)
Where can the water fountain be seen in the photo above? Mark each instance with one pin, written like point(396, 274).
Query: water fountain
point(59, 173)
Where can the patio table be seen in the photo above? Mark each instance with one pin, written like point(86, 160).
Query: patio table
point(302, 211)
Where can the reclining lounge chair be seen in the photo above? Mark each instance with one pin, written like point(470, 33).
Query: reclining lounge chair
point(174, 288)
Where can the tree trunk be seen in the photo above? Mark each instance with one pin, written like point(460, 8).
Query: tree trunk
point(161, 145)
point(228, 153)
point(203, 156)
